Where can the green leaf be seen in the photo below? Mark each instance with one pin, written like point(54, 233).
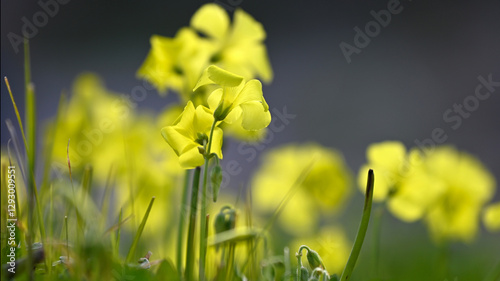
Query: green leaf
point(139, 231)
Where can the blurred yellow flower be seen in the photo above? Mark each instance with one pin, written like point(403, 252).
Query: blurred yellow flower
point(468, 185)
point(93, 118)
point(190, 132)
point(107, 133)
point(325, 188)
point(491, 217)
point(175, 63)
point(239, 48)
point(236, 101)
point(387, 159)
point(446, 188)
point(331, 243)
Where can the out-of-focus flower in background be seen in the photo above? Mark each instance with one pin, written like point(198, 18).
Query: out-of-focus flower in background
point(388, 160)
point(491, 217)
point(238, 48)
point(108, 134)
point(445, 188)
point(468, 186)
point(323, 191)
point(175, 63)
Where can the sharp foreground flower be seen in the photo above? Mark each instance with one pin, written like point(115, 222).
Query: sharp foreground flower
point(190, 132)
point(236, 101)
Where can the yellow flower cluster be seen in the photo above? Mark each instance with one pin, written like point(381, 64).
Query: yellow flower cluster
point(195, 135)
point(177, 63)
point(324, 189)
point(212, 65)
point(445, 188)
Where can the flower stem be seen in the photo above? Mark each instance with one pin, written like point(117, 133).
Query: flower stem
point(192, 225)
point(363, 226)
point(182, 222)
point(377, 221)
point(204, 226)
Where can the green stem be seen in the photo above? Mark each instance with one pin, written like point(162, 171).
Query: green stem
point(30, 151)
point(203, 227)
point(192, 225)
point(377, 221)
point(299, 265)
point(182, 222)
point(363, 226)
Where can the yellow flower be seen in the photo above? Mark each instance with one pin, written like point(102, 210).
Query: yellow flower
point(175, 63)
point(468, 185)
point(415, 190)
point(93, 118)
point(332, 245)
point(236, 101)
point(323, 191)
point(239, 133)
point(387, 159)
point(491, 217)
point(191, 131)
point(446, 188)
point(239, 48)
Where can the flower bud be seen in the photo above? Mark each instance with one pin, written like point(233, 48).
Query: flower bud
point(304, 274)
point(334, 277)
point(201, 149)
point(314, 259)
point(225, 219)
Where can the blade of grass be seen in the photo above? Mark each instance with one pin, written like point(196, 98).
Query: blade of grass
point(30, 119)
point(86, 185)
point(107, 192)
point(115, 237)
point(139, 231)
point(17, 112)
point(49, 144)
point(67, 235)
point(363, 226)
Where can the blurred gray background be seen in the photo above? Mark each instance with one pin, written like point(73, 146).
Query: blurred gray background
point(398, 87)
point(426, 60)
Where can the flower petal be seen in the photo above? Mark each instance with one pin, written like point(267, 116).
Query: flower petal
point(203, 120)
point(254, 116)
point(246, 28)
point(252, 91)
point(214, 99)
point(176, 139)
point(212, 20)
point(217, 142)
point(216, 75)
point(191, 158)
